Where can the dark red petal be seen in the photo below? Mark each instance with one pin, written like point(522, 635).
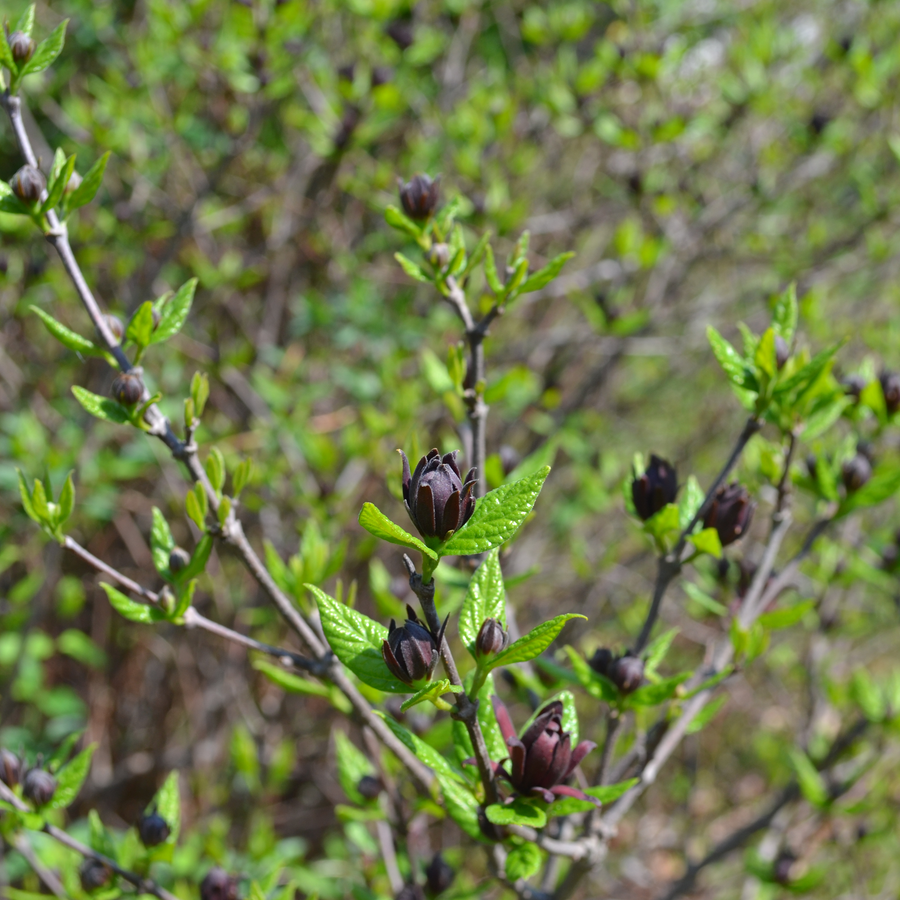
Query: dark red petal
point(563, 790)
point(406, 477)
point(450, 520)
point(560, 764)
point(550, 712)
point(391, 662)
point(449, 459)
point(414, 481)
point(470, 477)
point(501, 714)
point(467, 503)
point(517, 758)
point(425, 511)
point(539, 760)
point(578, 754)
point(543, 793)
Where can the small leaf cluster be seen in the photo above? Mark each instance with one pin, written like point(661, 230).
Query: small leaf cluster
point(49, 514)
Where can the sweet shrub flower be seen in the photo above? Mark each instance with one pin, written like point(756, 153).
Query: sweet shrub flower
point(21, 46)
point(492, 639)
point(38, 786)
point(654, 489)
point(439, 501)
point(542, 758)
point(730, 513)
point(153, 830)
point(94, 874)
point(626, 672)
point(10, 768)
point(419, 196)
point(128, 388)
point(890, 387)
point(411, 651)
point(856, 472)
point(439, 875)
point(27, 184)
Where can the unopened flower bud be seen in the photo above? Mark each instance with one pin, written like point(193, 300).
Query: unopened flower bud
point(369, 786)
point(410, 892)
point(781, 870)
point(27, 184)
point(153, 830)
point(811, 463)
point(439, 255)
point(10, 767)
point(116, 326)
point(218, 885)
point(438, 499)
point(782, 352)
point(94, 874)
point(400, 31)
point(855, 472)
point(411, 651)
point(730, 513)
point(419, 196)
point(655, 488)
point(178, 559)
point(38, 786)
point(439, 875)
point(156, 317)
point(128, 388)
point(492, 639)
point(627, 673)
point(21, 46)
point(601, 661)
point(890, 387)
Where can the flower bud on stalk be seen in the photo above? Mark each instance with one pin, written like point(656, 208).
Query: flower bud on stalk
point(410, 892)
point(10, 768)
point(627, 673)
point(439, 501)
point(654, 489)
point(94, 874)
point(782, 352)
point(602, 660)
point(419, 196)
point(439, 875)
point(492, 639)
point(218, 885)
point(28, 184)
point(178, 559)
point(128, 388)
point(153, 830)
point(730, 513)
point(21, 46)
point(38, 786)
point(411, 651)
point(856, 472)
point(369, 786)
point(890, 387)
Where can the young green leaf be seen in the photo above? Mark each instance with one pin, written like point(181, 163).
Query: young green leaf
point(39, 501)
point(654, 694)
point(199, 392)
point(485, 599)
point(597, 685)
point(70, 778)
point(785, 313)
point(656, 651)
point(401, 222)
point(532, 644)
point(730, 360)
point(136, 612)
point(241, 476)
point(10, 203)
point(490, 271)
point(215, 469)
point(414, 271)
point(27, 502)
point(707, 541)
point(101, 407)
point(26, 21)
point(290, 682)
point(376, 522)
point(161, 542)
point(811, 783)
point(519, 812)
point(167, 803)
point(425, 752)
point(544, 276)
point(497, 517)
point(607, 793)
point(356, 641)
point(175, 312)
point(691, 500)
point(353, 765)
point(66, 336)
point(141, 325)
point(47, 50)
point(90, 184)
point(58, 185)
point(66, 500)
point(523, 861)
point(6, 57)
point(431, 692)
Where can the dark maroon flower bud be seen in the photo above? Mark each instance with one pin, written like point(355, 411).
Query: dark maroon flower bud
point(627, 673)
point(10, 767)
point(855, 472)
point(349, 121)
point(116, 326)
point(782, 352)
point(218, 885)
point(492, 639)
point(38, 786)
point(369, 786)
point(94, 874)
point(178, 559)
point(439, 501)
point(439, 875)
point(400, 31)
point(654, 489)
point(153, 830)
point(21, 46)
point(542, 758)
point(410, 892)
point(411, 651)
point(853, 385)
point(818, 122)
point(730, 513)
point(890, 387)
point(781, 870)
point(27, 184)
point(419, 196)
point(346, 73)
point(128, 388)
point(601, 661)
point(382, 75)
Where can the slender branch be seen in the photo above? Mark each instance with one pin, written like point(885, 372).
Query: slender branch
point(389, 855)
point(143, 885)
point(613, 726)
point(579, 849)
point(20, 842)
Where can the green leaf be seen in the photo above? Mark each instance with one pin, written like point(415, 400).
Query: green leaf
point(664, 522)
point(811, 783)
point(806, 376)
point(90, 184)
point(101, 407)
point(523, 861)
point(567, 806)
point(241, 476)
point(136, 612)
point(376, 522)
point(356, 641)
point(691, 500)
point(883, 484)
point(66, 500)
point(6, 58)
point(39, 502)
point(353, 765)
point(58, 185)
point(26, 21)
point(412, 269)
point(497, 517)
point(196, 506)
point(730, 360)
point(653, 694)
point(765, 357)
point(66, 336)
point(47, 50)
point(425, 752)
point(27, 503)
point(656, 651)
point(607, 793)
point(490, 271)
point(461, 805)
point(570, 714)
point(70, 778)
point(785, 618)
point(10, 203)
point(784, 315)
point(199, 392)
point(431, 692)
point(534, 643)
point(198, 559)
point(706, 715)
point(175, 312)
point(289, 681)
point(141, 325)
point(485, 599)
point(396, 219)
point(544, 276)
point(519, 812)
point(867, 695)
point(101, 840)
point(707, 541)
point(168, 804)
point(477, 254)
point(215, 469)
point(161, 542)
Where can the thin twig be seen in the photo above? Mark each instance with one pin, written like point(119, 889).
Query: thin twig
point(20, 842)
